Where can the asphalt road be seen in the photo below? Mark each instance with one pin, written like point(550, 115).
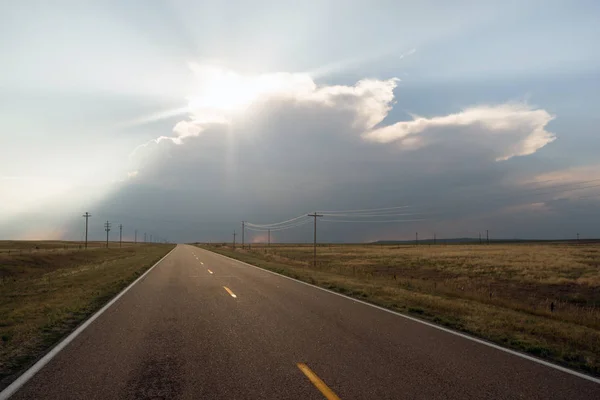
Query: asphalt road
point(180, 333)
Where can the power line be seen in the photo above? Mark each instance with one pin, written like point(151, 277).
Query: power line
point(107, 229)
point(243, 232)
point(87, 216)
point(275, 224)
point(315, 216)
point(297, 224)
point(377, 221)
point(369, 215)
point(366, 209)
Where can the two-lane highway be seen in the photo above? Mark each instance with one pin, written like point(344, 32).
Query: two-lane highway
point(202, 326)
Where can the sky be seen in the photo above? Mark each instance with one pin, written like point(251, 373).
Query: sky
point(180, 119)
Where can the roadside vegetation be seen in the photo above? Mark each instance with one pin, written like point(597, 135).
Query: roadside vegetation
point(543, 299)
point(46, 292)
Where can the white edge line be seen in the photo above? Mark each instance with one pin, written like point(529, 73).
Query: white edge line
point(460, 334)
point(35, 368)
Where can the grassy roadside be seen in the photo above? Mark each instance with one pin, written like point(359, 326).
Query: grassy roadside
point(44, 296)
point(559, 337)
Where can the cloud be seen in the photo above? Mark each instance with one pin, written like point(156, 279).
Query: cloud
point(571, 174)
point(574, 183)
point(223, 97)
point(510, 130)
point(290, 146)
point(287, 145)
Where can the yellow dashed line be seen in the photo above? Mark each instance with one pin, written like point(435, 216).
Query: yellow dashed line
point(230, 292)
point(319, 384)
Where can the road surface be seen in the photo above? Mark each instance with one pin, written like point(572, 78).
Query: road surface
point(202, 326)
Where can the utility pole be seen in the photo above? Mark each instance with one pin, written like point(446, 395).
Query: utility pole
point(578, 238)
point(150, 238)
point(107, 229)
point(416, 238)
point(120, 235)
point(145, 237)
point(135, 237)
point(243, 232)
point(234, 239)
point(315, 216)
point(434, 239)
point(87, 215)
point(480, 238)
point(269, 240)
point(487, 236)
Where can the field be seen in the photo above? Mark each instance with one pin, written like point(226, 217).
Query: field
point(543, 299)
point(20, 247)
point(46, 292)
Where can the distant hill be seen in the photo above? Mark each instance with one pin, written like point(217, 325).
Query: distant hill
point(476, 241)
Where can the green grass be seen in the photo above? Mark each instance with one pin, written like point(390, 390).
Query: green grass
point(501, 292)
point(45, 295)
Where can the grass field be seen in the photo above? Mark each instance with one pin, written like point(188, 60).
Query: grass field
point(500, 292)
point(44, 295)
point(21, 247)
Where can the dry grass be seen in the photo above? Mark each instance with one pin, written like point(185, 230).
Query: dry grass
point(21, 247)
point(500, 292)
point(45, 295)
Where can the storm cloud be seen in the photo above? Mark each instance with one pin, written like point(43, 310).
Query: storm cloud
point(298, 147)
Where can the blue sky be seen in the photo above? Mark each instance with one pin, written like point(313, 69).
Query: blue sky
point(83, 85)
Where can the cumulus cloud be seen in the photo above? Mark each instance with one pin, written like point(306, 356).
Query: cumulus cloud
point(509, 129)
point(223, 97)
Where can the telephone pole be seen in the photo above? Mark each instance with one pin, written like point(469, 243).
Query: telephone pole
point(487, 236)
point(480, 238)
point(87, 215)
point(120, 235)
point(150, 238)
point(416, 238)
point(234, 239)
point(269, 240)
point(243, 232)
point(315, 216)
point(135, 237)
point(434, 239)
point(107, 229)
point(145, 237)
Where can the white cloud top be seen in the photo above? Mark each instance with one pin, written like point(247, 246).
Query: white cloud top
point(508, 129)
point(504, 130)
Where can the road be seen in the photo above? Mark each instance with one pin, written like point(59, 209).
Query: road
point(202, 326)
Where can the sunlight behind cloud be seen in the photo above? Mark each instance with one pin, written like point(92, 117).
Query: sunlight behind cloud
point(223, 96)
point(218, 89)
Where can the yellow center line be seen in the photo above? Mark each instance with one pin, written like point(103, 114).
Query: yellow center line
point(201, 263)
point(210, 272)
point(319, 384)
point(230, 292)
